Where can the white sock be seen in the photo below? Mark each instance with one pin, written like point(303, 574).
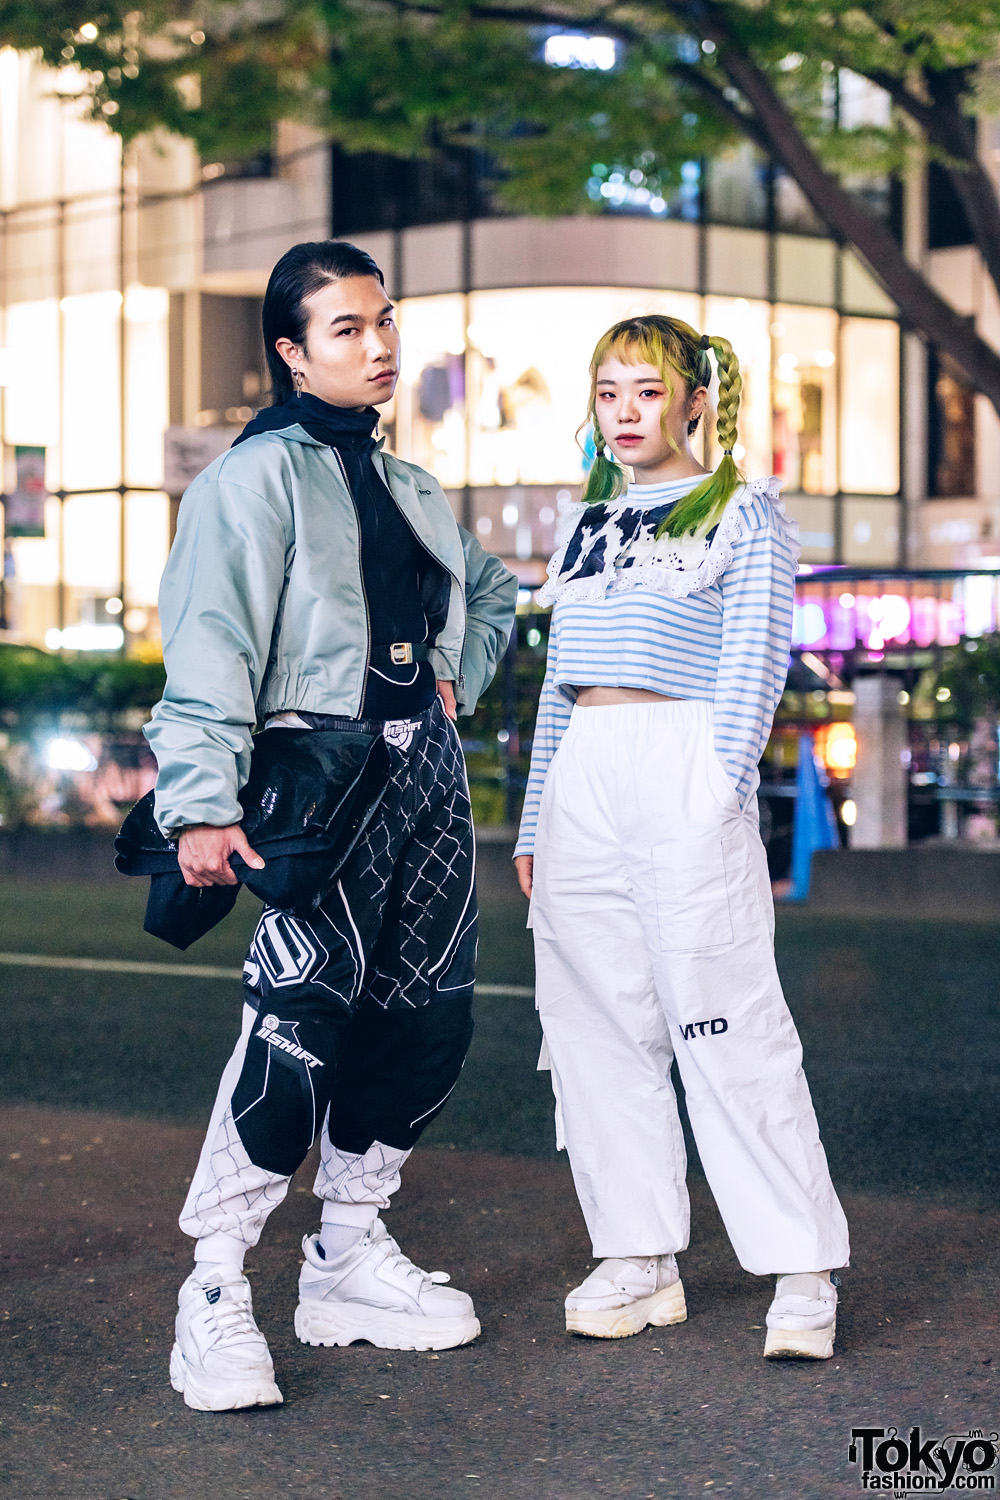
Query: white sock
point(344, 1224)
point(217, 1251)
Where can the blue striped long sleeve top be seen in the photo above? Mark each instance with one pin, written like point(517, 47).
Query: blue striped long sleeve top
point(708, 619)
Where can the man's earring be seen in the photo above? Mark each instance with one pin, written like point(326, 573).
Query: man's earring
point(297, 377)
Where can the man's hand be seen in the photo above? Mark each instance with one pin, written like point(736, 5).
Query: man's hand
point(524, 864)
point(447, 692)
point(203, 854)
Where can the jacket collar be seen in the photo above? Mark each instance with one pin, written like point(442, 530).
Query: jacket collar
point(410, 489)
point(296, 433)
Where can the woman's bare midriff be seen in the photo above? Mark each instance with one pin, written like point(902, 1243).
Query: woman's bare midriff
point(603, 697)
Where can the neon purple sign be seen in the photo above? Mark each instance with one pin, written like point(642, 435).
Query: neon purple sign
point(877, 621)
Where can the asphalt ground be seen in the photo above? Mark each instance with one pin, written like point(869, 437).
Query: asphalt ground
point(105, 1083)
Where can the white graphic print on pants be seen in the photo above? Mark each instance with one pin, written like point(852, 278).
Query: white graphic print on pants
point(230, 1195)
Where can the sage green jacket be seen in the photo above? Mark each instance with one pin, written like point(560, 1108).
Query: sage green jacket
point(263, 611)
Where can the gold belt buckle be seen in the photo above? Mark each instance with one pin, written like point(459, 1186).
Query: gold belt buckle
point(401, 653)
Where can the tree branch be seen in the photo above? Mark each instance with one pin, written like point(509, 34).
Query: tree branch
point(921, 307)
point(776, 130)
point(947, 127)
point(905, 99)
point(976, 190)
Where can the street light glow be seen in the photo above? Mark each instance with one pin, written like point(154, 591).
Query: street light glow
point(570, 49)
point(85, 638)
point(63, 754)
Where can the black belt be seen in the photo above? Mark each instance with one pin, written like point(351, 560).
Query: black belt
point(356, 726)
point(336, 721)
point(400, 653)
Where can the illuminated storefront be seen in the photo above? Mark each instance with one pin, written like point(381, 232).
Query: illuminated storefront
point(130, 297)
point(871, 618)
point(494, 387)
point(921, 631)
point(84, 375)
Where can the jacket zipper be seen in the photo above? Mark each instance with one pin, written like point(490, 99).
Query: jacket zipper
point(361, 575)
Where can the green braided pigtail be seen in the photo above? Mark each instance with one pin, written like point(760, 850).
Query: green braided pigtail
point(606, 479)
point(702, 508)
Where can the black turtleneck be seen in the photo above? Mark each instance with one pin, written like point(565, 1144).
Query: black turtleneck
point(397, 573)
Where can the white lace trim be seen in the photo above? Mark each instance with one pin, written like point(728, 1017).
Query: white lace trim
point(692, 564)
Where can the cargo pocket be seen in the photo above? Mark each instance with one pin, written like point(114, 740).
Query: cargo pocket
point(692, 894)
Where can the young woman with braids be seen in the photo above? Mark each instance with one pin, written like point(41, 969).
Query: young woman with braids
point(640, 851)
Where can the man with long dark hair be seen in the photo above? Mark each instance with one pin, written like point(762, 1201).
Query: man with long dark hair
point(317, 582)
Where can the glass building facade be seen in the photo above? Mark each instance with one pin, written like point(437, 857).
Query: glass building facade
point(129, 354)
point(495, 383)
point(84, 372)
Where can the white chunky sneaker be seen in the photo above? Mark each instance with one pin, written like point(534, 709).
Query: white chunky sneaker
point(220, 1361)
point(621, 1297)
point(802, 1319)
point(373, 1292)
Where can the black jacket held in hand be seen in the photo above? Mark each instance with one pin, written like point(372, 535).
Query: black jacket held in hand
point(310, 796)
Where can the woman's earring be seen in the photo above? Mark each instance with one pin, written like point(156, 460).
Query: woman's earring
point(297, 377)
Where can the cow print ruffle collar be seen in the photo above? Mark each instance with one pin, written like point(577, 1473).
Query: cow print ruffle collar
point(610, 547)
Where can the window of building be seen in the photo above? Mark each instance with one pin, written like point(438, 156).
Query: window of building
point(63, 394)
point(427, 419)
point(31, 592)
point(951, 445)
point(746, 324)
point(861, 102)
point(792, 209)
point(233, 370)
point(870, 532)
point(147, 541)
point(819, 405)
point(529, 356)
point(31, 337)
point(147, 309)
point(91, 407)
point(804, 398)
point(947, 222)
point(817, 526)
point(91, 548)
point(869, 403)
point(372, 191)
point(736, 187)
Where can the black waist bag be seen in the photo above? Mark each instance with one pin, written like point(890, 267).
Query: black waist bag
point(310, 796)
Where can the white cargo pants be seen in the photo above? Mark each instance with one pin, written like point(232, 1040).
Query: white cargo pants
point(653, 928)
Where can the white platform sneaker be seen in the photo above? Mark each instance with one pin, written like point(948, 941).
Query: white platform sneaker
point(620, 1297)
point(220, 1361)
point(373, 1292)
point(802, 1319)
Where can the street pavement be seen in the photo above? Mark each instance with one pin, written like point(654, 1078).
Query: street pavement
point(104, 1083)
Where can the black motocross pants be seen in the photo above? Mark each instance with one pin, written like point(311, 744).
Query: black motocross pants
point(365, 1009)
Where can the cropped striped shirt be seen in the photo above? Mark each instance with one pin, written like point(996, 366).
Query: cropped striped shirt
point(709, 619)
